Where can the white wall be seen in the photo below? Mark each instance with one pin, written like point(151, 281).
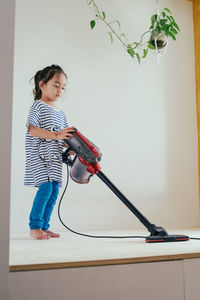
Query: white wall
point(143, 117)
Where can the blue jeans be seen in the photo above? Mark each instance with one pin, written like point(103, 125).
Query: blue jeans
point(43, 205)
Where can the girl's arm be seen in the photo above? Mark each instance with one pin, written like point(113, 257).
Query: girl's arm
point(50, 135)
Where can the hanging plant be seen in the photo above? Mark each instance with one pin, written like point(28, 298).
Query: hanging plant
point(163, 26)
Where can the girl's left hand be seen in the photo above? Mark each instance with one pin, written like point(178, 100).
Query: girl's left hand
point(71, 152)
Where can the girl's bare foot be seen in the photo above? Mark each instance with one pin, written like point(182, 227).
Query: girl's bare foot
point(38, 234)
point(52, 234)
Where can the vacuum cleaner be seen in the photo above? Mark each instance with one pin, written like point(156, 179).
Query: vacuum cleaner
point(85, 165)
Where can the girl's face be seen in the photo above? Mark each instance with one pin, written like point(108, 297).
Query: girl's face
point(54, 88)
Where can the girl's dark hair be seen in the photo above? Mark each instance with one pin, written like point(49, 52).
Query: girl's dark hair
point(45, 75)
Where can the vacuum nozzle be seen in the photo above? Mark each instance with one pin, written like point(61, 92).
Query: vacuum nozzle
point(166, 238)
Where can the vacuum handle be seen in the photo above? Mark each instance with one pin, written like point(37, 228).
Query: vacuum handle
point(151, 227)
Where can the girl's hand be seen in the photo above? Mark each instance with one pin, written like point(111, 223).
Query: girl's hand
point(65, 133)
point(71, 152)
point(50, 135)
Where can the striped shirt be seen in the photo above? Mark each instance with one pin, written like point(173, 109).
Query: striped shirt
point(44, 157)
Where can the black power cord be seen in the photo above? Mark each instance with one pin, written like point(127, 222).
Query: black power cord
point(89, 235)
point(97, 236)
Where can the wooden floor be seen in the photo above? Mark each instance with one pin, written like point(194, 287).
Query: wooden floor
point(71, 250)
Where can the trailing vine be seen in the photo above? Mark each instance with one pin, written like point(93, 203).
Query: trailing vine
point(162, 24)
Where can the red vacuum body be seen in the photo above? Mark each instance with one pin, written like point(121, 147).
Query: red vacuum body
point(86, 162)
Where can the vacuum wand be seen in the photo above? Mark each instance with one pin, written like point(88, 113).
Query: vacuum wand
point(86, 164)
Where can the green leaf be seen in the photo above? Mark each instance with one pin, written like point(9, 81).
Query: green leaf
point(151, 46)
point(172, 35)
point(104, 15)
point(116, 21)
point(92, 24)
point(165, 28)
point(173, 30)
point(158, 28)
point(163, 21)
point(138, 57)
point(167, 9)
point(131, 51)
point(175, 25)
point(153, 19)
point(118, 24)
point(145, 53)
point(111, 37)
point(169, 19)
point(163, 14)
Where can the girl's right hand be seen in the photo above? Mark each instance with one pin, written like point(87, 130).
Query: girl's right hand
point(65, 133)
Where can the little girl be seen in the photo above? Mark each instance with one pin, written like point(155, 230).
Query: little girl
point(46, 128)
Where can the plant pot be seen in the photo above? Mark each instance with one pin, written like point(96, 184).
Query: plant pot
point(158, 40)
